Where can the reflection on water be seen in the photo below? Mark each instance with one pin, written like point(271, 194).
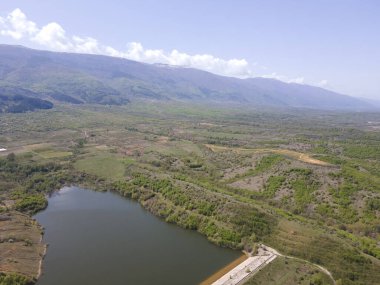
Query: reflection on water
point(103, 239)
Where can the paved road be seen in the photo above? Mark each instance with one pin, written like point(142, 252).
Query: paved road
point(240, 273)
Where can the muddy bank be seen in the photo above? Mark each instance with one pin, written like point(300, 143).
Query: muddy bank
point(218, 274)
point(21, 247)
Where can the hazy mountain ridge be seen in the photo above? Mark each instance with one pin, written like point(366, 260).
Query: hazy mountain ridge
point(19, 100)
point(82, 78)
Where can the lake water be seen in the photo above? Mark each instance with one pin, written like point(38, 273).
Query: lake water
point(101, 238)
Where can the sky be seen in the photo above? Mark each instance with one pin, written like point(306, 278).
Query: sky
point(334, 44)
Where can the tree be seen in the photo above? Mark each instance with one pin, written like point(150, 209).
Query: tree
point(11, 157)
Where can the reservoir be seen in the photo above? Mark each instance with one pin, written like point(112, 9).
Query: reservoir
point(101, 238)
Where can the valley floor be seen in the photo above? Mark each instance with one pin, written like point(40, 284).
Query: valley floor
point(306, 183)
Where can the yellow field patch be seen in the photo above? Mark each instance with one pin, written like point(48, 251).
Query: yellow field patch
point(102, 147)
point(290, 153)
point(54, 154)
point(37, 146)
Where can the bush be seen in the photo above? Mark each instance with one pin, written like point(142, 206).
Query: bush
point(11, 157)
point(31, 203)
point(13, 279)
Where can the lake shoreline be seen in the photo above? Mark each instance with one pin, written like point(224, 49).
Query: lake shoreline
point(222, 271)
point(103, 186)
point(40, 267)
point(210, 257)
point(21, 248)
point(243, 268)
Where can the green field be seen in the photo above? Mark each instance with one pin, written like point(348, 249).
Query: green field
point(308, 187)
point(103, 165)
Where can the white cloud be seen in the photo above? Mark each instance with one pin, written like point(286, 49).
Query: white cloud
point(323, 83)
point(16, 25)
point(232, 67)
point(53, 36)
point(86, 45)
point(298, 80)
point(274, 75)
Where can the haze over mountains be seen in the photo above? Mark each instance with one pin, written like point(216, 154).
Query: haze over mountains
point(81, 78)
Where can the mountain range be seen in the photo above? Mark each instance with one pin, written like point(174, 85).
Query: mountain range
point(54, 77)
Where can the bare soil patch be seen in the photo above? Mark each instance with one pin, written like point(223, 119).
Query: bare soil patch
point(254, 183)
point(21, 249)
point(289, 153)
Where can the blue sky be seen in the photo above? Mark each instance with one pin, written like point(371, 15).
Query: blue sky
point(330, 43)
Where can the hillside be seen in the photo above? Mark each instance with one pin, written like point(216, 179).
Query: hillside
point(80, 78)
point(19, 100)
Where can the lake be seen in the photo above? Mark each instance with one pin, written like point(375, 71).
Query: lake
point(101, 238)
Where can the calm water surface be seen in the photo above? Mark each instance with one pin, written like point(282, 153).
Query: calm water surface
point(103, 239)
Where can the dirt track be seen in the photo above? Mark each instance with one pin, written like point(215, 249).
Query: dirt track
point(240, 273)
point(251, 265)
point(290, 153)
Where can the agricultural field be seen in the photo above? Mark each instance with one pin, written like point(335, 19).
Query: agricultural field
point(306, 183)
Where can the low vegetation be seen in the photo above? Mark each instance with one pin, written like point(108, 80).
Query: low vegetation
point(286, 271)
point(234, 176)
point(13, 279)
